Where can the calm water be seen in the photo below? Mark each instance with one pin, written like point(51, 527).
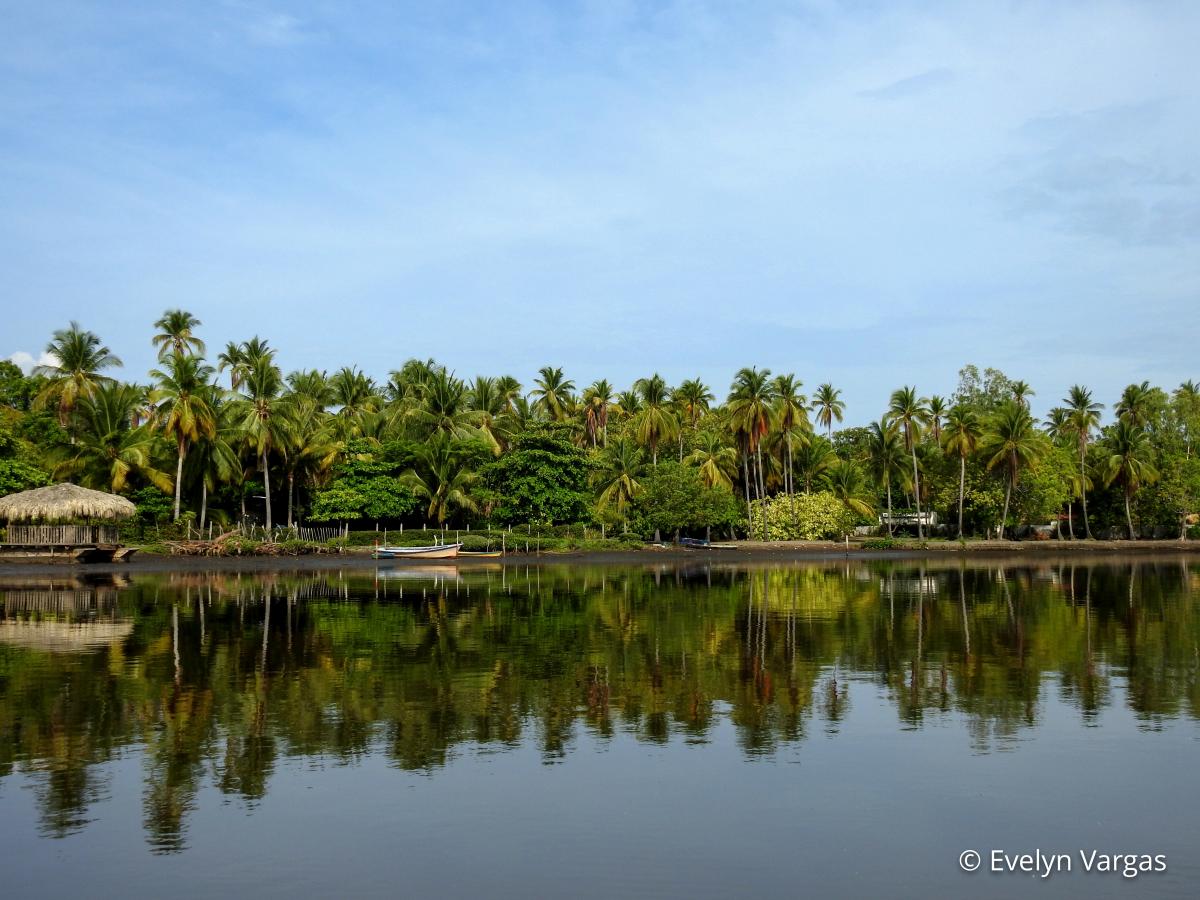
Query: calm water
point(830, 730)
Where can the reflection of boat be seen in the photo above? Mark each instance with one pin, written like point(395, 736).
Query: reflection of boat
point(481, 554)
point(62, 637)
point(436, 551)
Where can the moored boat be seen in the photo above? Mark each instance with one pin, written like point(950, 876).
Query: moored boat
point(435, 551)
point(481, 554)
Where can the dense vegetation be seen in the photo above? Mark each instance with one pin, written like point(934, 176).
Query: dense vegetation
point(239, 439)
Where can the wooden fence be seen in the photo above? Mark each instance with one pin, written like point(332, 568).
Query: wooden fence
point(61, 535)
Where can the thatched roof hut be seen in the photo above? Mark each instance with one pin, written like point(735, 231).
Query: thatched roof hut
point(61, 502)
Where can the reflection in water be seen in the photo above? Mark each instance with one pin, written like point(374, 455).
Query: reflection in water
point(214, 677)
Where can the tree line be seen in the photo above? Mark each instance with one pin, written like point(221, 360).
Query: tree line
point(234, 437)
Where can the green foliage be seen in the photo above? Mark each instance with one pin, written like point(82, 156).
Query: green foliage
point(674, 497)
point(153, 506)
point(18, 475)
point(805, 517)
point(367, 485)
point(1045, 489)
point(543, 478)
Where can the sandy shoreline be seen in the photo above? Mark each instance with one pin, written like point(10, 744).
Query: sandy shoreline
point(747, 553)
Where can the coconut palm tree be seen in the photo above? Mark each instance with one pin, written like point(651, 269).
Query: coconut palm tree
point(443, 475)
point(937, 407)
point(509, 388)
point(750, 412)
point(886, 459)
point(791, 417)
point(1128, 459)
point(1136, 404)
point(911, 413)
point(1084, 418)
point(262, 415)
point(846, 482)
point(828, 406)
point(597, 400)
point(1021, 392)
point(109, 451)
point(1187, 404)
point(177, 334)
point(552, 393)
point(655, 422)
point(312, 385)
point(445, 409)
point(961, 438)
point(1011, 442)
point(214, 459)
point(628, 405)
point(716, 460)
point(616, 479)
point(79, 361)
point(182, 410)
point(355, 397)
point(813, 460)
point(233, 358)
point(485, 399)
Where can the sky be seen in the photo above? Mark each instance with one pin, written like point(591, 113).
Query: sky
point(871, 194)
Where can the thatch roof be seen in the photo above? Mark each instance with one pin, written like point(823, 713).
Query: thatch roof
point(64, 501)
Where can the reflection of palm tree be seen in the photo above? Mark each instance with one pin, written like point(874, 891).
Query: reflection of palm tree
point(1128, 460)
point(79, 359)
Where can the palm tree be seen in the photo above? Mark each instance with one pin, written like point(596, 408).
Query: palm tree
point(813, 460)
point(616, 479)
point(443, 475)
point(182, 410)
point(488, 403)
point(846, 482)
point(910, 412)
point(628, 405)
point(177, 334)
point(553, 392)
point(937, 407)
point(693, 398)
point(1187, 402)
point(215, 458)
point(1011, 441)
point(445, 409)
point(1084, 418)
point(828, 406)
point(885, 458)
point(262, 414)
point(1136, 404)
point(961, 438)
point(79, 359)
point(655, 422)
point(1128, 455)
point(313, 386)
point(791, 415)
point(233, 358)
point(109, 451)
point(716, 460)
point(1021, 392)
point(355, 396)
point(509, 388)
point(750, 414)
point(597, 399)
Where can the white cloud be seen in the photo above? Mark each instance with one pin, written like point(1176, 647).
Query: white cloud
point(26, 361)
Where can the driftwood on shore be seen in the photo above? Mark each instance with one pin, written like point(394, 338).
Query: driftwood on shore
point(234, 543)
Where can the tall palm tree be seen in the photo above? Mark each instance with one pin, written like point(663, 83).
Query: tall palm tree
point(597, 400)
point(750, 415)
point(1084, 418)
point(938, 408)
point(109, 451)
point(355, 397)
point(791, 415)
point(182, 410)
point(616, 479)
point(656, 421)
point(1128, 459)
point(846, 482)
point(961, 438)
point(828, 406)
point(510, 389)
point(233, 358)
point(716, 460)
point(1021, 392)
point(1136, 404)
point(693, 398)
point(79, 361)
point(312, 385)
point(910, 412)
point(1012, 442)
point(177, 334)
point(552, 392)
point(1187, 402)
point(886, 458)
point(263, 415)
point(445, 409)
point(443, 475)
point(215, 458)
point(489, 404)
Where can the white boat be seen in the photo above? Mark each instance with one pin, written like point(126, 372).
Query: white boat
point(435, 551)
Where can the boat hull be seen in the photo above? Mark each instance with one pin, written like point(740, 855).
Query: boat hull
point(439, 551)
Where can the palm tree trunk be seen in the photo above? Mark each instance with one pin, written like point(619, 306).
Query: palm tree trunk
point(1128, 517)
point(203, 502)
point(1087, 526)
point(291, 493)
point(1070, 521)
point(789, 481)
point(266, 486)
point(917, 493)
point(1007, 497)
point(179, 476)
point(962, 490)
point(746, 487)
point(762, 490)
point(889, 496)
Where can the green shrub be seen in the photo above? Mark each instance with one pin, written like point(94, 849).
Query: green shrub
point(803, 517)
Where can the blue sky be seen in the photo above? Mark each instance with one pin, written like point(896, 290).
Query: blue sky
point(869, 193)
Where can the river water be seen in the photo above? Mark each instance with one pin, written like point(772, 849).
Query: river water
point(828, 729)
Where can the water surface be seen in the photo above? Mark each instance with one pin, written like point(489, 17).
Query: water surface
point(835, 729)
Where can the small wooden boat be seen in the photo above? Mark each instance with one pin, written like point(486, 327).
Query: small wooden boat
point(436, 551)
point(481, 554)
point(698, 544)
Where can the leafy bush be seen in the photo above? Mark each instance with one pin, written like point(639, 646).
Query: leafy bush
point(543, 478)
point(886, 543)
point(803, 517)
